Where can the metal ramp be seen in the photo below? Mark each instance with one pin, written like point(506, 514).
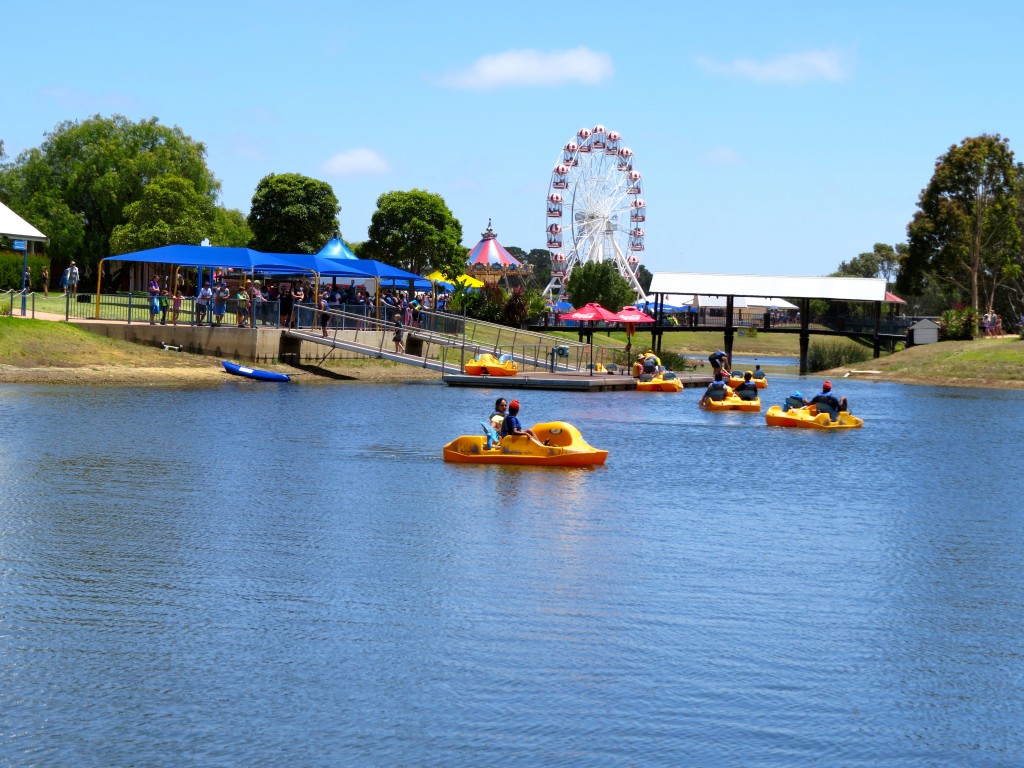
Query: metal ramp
point(370, 351)
point(371, 336)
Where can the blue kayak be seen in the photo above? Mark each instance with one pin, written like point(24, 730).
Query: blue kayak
point(254, 373)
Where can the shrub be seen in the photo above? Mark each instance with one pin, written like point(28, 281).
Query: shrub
point(835, 353)
point(11, 265)
point(958, 324)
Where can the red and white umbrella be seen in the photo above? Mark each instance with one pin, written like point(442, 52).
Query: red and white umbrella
point(592, 311)
point(634, 315)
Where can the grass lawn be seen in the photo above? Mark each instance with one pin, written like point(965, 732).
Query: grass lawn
point(27, 343)
point(985, 361)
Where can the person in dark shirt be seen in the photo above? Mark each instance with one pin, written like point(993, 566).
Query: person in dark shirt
point(825, 397)
point(511, 425)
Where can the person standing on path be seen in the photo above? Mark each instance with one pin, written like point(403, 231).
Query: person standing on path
point(398, 336)
point(73, 278)
point(203, 303)
point(46, 282)
point(154, 299)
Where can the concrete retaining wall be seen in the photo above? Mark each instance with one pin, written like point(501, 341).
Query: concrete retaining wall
point(227, 341)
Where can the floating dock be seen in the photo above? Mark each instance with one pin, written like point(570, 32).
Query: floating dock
point(569, 382)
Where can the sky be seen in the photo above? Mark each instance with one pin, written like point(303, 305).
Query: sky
point(772, 138)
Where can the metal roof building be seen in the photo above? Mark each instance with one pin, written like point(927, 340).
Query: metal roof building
point(803, 289)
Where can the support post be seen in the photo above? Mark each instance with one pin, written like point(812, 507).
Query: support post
point(729, 332)
point(805, 335)
point(878, 323)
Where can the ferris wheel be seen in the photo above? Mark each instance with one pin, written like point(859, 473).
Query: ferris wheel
point(595, 208)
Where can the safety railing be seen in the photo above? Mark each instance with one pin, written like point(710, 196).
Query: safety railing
point(374, 327)
point(19, 303)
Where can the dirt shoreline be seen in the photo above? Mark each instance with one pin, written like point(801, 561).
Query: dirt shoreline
point(208, 373)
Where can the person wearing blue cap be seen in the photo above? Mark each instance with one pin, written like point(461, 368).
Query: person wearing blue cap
point(796, 400)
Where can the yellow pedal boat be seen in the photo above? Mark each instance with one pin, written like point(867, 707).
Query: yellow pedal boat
point(663, 382)
point(566, 448)
point(809, 418)
point(735, 381)
point(488, 365)
point(733, 402)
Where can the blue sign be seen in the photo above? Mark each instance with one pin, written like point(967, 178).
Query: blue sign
point(20, 245)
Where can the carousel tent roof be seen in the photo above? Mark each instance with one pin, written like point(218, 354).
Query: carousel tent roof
point(15, 227)
point(489, 251)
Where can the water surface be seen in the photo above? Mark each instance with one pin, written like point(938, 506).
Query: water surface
point(265, 575)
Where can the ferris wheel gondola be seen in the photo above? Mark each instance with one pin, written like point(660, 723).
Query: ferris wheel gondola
point(595, 208)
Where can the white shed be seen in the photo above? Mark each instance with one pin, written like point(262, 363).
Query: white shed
point(923, 332)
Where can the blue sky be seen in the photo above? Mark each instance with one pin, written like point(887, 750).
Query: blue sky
point(772, 138)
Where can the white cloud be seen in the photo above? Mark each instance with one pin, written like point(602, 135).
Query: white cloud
point(829, 65)
point(519, 68)
point(356, 162)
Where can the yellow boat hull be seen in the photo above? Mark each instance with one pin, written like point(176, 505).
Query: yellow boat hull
point(809, 418)
point(660, 384)
point(567, 448)
point(489, 365)
point(733, 403)
point(761, 383)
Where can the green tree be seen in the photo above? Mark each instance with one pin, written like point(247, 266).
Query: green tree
point(417, 232)
point(76, 185)
point(230, 228)
point(540, 261)
point(170, 211)
point(599, 282)
point(644, 277)
point(292, 213)
point(966, 231)
point(882, 261)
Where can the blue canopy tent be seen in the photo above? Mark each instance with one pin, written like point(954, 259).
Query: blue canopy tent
point(246, 259)
point(385, 272)
point(310, 263)
point(336, 249)
point(195, 256)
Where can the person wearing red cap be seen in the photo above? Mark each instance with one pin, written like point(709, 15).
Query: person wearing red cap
point(825, 397)
point(511, 426)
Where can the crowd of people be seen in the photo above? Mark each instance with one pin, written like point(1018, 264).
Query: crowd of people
point(252, 303)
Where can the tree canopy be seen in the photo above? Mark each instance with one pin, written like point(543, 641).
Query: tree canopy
point(539, 259)
point(77, 184)
point(599, 282)
point(967, 230)
point(169, 211)
point(230, 228)
point(881, 261)
point(292, 213)
point(417, 232)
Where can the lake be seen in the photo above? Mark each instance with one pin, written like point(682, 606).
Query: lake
point(290, 575)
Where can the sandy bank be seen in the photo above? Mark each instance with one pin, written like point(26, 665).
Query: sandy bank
point(207, 372)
